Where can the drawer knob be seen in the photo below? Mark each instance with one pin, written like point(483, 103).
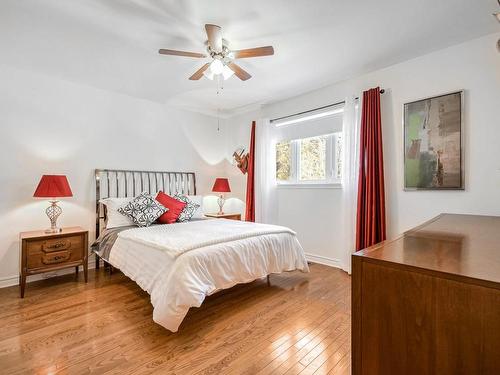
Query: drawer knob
point(55, 246)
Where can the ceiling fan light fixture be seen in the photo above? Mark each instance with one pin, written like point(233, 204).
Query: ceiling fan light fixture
point(217, 67)
point(226, 72)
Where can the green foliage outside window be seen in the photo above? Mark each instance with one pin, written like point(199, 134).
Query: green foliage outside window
point(313, 158)
point(310, 160)
point(283, 160)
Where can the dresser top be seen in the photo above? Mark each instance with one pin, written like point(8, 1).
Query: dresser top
point(463, 245)
point(42, 235)
point(222, 215)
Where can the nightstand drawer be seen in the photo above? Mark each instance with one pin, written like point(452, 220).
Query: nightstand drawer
point(39, 260)
point(53, 252)
point(55, 244)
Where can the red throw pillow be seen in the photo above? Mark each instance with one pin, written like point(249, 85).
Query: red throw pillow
point(174, 206)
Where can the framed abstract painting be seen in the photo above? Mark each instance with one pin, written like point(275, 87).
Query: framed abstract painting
point(433, 143)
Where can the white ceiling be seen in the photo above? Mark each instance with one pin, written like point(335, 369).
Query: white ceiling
point(113, 44)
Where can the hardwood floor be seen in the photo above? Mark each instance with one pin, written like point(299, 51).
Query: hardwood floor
point(299, 325)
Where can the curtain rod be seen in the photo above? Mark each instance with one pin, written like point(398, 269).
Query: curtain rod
point(308, 111)
point(381, 91)
point(316, 109)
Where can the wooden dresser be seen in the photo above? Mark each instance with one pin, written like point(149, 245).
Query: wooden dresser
point(42, 252)
point(428, 302)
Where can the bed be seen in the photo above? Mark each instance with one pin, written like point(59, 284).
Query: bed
point(180, 264)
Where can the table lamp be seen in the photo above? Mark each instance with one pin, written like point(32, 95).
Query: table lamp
point(53, 187)
point(221, 185)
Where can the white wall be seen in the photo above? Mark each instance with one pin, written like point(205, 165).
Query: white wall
point(50, 126)
point(473, 66)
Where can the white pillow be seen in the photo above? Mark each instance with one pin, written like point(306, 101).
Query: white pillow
point(114, 218)
point(198, 199)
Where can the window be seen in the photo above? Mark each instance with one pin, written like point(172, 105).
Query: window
point(311, 149)
point(284, 161)
point(312, 160)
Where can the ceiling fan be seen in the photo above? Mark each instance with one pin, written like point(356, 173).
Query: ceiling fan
point(222, 57)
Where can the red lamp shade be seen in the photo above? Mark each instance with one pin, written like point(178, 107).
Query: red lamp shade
point(51, 186)
point(221, 185)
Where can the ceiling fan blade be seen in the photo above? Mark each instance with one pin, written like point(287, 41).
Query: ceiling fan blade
point(199, 73)
point(214, 36)
point(180, 53)
point(239, 72)
point(253, 52)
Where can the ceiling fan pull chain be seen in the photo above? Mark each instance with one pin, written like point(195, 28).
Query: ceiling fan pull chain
point(217, 82)
point(218, 120)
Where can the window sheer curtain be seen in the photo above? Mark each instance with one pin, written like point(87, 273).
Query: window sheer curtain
point(351, 133)
point(266, 205)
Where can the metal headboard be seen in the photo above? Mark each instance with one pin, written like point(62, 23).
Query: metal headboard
point(118, 183)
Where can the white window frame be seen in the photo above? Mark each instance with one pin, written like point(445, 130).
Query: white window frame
point(329, 182)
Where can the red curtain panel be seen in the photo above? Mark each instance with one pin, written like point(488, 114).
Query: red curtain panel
point(250, 201)
point(370, 219)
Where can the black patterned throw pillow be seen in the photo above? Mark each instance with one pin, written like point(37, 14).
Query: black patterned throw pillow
point(143, 210)
point(189, 210)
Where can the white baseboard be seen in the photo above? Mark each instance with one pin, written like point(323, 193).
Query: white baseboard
point(14, 280)
point(332, 262)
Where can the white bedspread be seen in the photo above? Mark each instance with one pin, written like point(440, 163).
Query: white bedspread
point(179, 238)
point(178, 282)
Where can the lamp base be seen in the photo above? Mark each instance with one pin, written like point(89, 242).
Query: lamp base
point(53, 230)
point(220, 202)
point(53, 212)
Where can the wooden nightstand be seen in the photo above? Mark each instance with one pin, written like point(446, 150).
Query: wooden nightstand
point(225, 216)
point(45, 252)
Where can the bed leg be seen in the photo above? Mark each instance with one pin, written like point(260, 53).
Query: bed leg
point(111, 269)
point(97, 263)
point(268, 281)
